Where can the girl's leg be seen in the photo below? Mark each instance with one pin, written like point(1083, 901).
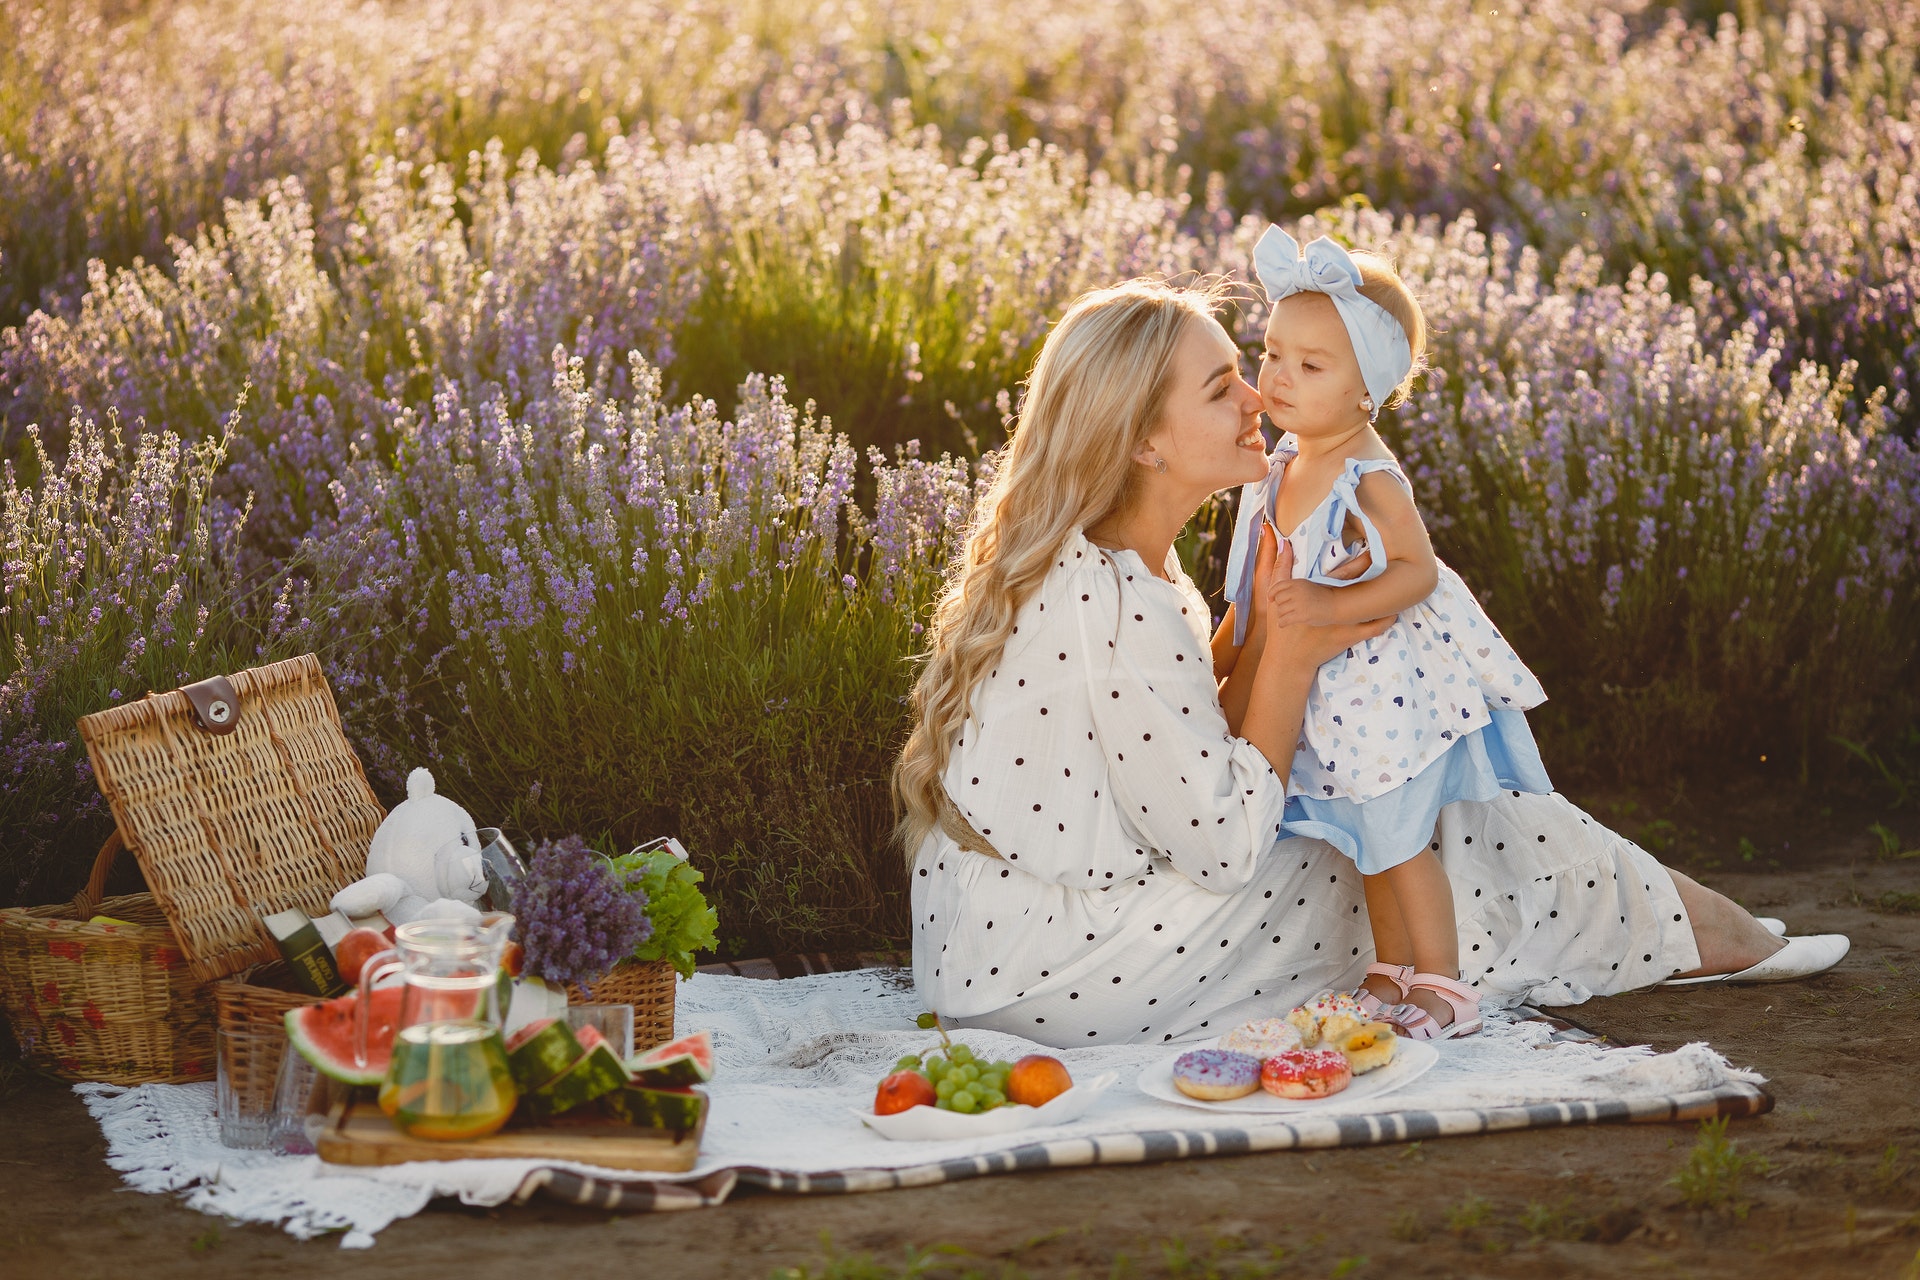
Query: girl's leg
point(1425, 898)
point(1391, 944)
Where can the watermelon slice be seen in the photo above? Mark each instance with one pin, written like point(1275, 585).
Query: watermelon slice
point(678, 1110)
point(324, 1035)
point(540, 1051)
point(597, 1073)
point(688, 1060)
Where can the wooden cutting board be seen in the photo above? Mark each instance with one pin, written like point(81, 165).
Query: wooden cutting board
point(360, 1133)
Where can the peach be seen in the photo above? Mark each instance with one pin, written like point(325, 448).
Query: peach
point(359, 946)
point(901, 1090)
point(1037, 1080)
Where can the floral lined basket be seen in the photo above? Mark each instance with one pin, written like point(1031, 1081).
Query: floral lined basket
point(111, 1002)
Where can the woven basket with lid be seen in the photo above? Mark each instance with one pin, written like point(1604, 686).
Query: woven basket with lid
point(239, 797)
point(234, 821)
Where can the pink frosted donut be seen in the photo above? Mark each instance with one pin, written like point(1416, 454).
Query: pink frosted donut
point(1306, 1073)
point(1215, 1075)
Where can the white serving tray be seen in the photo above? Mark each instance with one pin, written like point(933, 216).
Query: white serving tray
point(931, 1124)
point(1411, 1059)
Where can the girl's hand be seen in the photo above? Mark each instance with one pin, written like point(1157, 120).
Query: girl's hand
point(1297, 601)
point(1305, 645)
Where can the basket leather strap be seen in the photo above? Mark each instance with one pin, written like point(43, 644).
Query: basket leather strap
point(961, 831)
point(88, 898)
point(216, 705)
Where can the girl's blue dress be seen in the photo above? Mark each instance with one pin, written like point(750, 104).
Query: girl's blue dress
point(1430, 712)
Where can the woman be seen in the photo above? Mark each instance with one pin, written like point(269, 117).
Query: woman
point(1093, 784)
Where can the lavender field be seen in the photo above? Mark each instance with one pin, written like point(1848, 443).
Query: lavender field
point(600, 390)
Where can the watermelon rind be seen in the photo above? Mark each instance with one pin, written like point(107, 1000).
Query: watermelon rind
point(541, 1052)
point(676, 1110)
point(597, 1073)
point(324, 1033)
point(682, 1062)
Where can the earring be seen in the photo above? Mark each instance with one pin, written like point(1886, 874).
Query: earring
point(1160, 465)
point(1366, 404)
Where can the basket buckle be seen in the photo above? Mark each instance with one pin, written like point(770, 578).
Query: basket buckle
point(216, 705)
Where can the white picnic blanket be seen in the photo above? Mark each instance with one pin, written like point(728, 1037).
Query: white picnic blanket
point(795, 1059)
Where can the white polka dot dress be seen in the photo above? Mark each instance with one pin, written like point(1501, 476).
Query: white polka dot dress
point(1143, 894)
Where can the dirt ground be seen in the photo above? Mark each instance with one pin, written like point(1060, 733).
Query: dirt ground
point(1830, 1185)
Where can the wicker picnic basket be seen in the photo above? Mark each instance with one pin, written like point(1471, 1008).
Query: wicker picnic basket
point(109, 1002)
point(239, 797)
point(256, 1001)
point(647, 985)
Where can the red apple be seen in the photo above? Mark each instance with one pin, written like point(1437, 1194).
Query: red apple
point(1037, 1080)
point(901, 1090)
point(356, 948)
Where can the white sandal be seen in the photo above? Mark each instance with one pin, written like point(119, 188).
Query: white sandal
point(1801, 958)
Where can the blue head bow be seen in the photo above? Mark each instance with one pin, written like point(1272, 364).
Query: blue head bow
point(1385, 357)
point(1379, 342)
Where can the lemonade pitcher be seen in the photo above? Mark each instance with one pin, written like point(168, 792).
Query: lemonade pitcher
point(448, 1076)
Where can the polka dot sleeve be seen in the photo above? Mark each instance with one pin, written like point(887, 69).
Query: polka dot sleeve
point(1205, 799)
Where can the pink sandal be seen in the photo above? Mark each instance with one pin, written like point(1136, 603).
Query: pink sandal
point(1417, 1024)
point(1397, 974)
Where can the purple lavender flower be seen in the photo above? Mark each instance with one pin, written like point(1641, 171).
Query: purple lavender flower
point(575, 918)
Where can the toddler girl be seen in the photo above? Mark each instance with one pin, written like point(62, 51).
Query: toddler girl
point(1430, 712)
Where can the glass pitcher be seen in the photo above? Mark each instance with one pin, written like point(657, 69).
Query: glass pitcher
point(448, 1076)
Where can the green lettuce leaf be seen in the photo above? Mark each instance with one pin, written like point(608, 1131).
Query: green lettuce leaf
point(683, 923)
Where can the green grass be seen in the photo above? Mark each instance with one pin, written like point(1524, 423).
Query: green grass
point(1715, 1170)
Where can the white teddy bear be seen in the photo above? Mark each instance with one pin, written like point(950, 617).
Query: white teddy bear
point(424, 863)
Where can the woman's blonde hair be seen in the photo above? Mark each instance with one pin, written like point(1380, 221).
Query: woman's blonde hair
point(1381, 284)
point(1097, 391)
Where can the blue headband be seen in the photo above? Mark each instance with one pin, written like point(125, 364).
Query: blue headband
point(1379, 342)
point(1385, 358)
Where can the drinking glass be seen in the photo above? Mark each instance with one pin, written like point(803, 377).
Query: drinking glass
point(292, 1094)
point(614, 1022)
point(246, 1069)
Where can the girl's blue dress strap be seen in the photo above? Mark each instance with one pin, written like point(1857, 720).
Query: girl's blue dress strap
point(1345, 502)
point(1257, 502)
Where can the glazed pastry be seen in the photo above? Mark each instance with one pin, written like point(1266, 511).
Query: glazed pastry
point(1367, 1047)
point(1263, 1038)
point(1337, 1026)
point(1214, 1075)
point(1309, 1017)
point(1306, 1073)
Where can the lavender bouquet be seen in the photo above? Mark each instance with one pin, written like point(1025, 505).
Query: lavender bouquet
point(575, 915)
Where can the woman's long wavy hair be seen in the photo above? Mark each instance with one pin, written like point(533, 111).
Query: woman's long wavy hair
point(1097, 391)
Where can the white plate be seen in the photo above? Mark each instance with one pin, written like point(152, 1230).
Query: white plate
point(1411, 1059)
point(931, 1124)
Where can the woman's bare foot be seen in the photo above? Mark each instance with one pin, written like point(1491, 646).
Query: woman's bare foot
point(1727, 937)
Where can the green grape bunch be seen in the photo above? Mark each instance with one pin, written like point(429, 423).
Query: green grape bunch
point(961, 1082)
